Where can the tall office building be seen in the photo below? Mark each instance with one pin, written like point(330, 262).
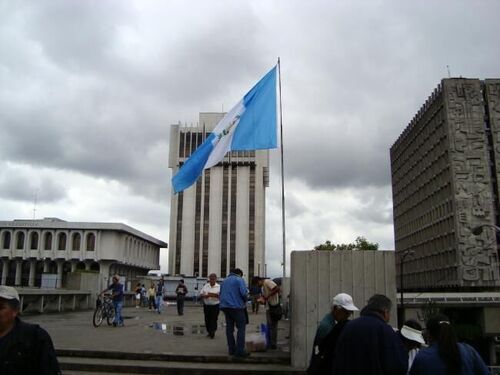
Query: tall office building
point(445, 180)
point(219, 222)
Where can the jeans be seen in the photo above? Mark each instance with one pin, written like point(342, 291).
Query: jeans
point(159, 303)
point(235, 317)
point(118, 312)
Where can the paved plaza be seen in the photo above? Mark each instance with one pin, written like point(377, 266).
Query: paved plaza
point(146, 331)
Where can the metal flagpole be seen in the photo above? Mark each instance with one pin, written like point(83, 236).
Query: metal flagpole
point(282, 178)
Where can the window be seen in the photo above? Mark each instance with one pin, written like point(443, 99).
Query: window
point(47, 241)
point(20, 240)
point(61, 243)
point(34, 241)
point(75, 243)
point(6, 240)
point(90, 242)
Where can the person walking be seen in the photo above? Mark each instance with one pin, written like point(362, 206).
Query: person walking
point(210, 295)
point(151, 296)
point(255, 294)
point(445, 355)
point(25, 349)
point(116, 289)
point(181, 292)
point(233, 297)
point(368, 345)
point(160, 290)
point(137, 292)
point(324, 345)
point(270, 297)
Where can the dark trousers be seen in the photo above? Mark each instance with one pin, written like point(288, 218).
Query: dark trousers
point(273, 329)
point(235, 317)
point(180, 305)
point(211, 315)
point(255, 304)
point(151, 302)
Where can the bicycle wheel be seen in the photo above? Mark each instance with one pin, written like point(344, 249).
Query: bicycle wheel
point(110, 314)
point(97, 319)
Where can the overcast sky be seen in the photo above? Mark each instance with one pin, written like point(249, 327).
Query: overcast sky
point(89, 89)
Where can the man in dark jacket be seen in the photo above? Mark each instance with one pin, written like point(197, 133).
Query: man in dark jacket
point(368, 345)
point(25, 349)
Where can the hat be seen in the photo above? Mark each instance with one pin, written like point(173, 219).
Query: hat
point(345, 301)
point(8, 292)
point(412, 334)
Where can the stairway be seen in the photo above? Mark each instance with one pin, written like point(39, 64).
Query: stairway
point(76, 362)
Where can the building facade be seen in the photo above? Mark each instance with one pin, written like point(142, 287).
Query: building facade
point(30, 248)
point(219, 222)
point(445, 171)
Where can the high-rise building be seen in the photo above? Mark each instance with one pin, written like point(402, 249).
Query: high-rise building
point(445, 180)
point(219, 222)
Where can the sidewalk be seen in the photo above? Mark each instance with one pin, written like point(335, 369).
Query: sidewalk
point(147, 331)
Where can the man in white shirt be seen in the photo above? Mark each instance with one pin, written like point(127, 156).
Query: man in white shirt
point(271, 298)
point(210, 296)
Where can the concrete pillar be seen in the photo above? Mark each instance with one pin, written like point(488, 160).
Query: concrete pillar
point(45, 266)
point(5, 271)
point(17, 279)
point(73, 266)
point(59, 273)
point(87, 266)
point(31, 280)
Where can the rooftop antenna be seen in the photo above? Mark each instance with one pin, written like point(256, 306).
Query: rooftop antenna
point(448, 69)
point(34, 203)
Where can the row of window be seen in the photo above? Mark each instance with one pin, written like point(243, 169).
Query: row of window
point(76, 241)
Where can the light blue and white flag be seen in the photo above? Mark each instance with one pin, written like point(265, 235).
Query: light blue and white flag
point(249, 125)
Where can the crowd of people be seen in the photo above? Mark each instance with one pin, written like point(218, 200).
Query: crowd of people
point(369, 345)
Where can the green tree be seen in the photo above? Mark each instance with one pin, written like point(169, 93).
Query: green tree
point(360, 243)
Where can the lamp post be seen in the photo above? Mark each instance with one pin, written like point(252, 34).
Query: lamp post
point(405, 253)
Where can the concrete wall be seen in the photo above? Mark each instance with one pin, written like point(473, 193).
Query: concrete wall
point(317, 276)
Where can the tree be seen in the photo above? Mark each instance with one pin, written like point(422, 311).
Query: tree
point(361, 243)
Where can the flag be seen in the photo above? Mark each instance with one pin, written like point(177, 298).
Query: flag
point(250, 125)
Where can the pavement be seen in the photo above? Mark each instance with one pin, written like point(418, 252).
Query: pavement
point(147, 332)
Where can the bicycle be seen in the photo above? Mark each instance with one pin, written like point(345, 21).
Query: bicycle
point(104, 309)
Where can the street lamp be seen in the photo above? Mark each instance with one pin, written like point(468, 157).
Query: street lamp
point(405, 253)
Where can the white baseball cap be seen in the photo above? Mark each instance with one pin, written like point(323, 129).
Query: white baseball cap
point(412, 334)
point(8, 292)
point(345, 301)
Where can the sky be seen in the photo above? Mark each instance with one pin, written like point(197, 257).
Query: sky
point(89, 89)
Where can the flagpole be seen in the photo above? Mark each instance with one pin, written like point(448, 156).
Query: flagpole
point(282, 178)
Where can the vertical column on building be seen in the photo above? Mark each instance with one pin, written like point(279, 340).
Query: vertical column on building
point(17, 279)
point(188, 224)
point(215, 220)
point(59, 273)
point(5, 271)
point(242, 221)
point(31, 280)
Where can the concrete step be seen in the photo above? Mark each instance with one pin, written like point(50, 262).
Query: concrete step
point(108, 366)
point(271, 357)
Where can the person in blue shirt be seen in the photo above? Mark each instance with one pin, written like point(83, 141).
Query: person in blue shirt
point(116, 289)
point(446, 355)
point(233, 298)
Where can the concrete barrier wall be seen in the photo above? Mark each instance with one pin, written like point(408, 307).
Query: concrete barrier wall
point(317, 276)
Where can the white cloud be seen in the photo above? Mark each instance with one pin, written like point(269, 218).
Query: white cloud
point(88, 91)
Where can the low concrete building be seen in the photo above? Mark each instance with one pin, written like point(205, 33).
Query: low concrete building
point(32, 249)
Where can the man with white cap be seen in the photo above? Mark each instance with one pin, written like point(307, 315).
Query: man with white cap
point(24, 348)
point(324, 349)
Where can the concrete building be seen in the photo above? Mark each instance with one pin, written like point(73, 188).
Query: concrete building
point(31, 248)
point(219, 222)
point(445, 179)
